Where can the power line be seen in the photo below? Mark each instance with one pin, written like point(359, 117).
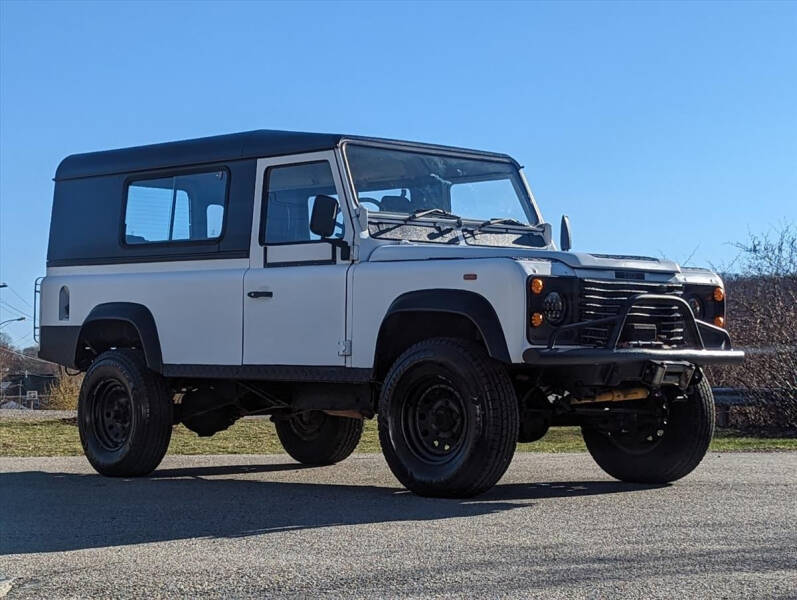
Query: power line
point(14, 308)
point(24, 337)
point(37, 359)
point(13, 291)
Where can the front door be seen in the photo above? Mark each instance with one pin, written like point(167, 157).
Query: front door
point(295, 290)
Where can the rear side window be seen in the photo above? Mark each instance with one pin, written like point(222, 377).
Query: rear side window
point(180, 208)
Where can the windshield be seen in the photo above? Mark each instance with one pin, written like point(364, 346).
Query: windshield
point(398, 183)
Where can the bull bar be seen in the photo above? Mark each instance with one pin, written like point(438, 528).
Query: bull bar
point(697, 353)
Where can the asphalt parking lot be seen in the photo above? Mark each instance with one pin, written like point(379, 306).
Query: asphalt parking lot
point(261, 526)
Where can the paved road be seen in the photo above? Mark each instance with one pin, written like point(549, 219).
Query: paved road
point(258, 526)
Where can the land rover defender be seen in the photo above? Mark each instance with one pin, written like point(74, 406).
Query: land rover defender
point(325, 279)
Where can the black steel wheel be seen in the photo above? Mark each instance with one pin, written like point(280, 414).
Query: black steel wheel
point(663, 452)
point(313, 437)
point(448, 419)
point(112, 415)
point(124, 415)
point(433, 419)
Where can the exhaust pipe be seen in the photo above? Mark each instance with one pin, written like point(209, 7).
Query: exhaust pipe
point(351, 414)
point(637, 393)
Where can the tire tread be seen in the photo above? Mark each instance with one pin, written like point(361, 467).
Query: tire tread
point(155, 433)
point(693, 430)
point(500, 419)
point(339, 440)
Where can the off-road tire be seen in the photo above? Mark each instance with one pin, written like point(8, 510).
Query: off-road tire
point(475, 394)
point(685, 442)
point(330, 440)
point(120, 378)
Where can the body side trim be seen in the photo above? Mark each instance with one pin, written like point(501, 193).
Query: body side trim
point(58, 343)
point(141, 319)
point(118, 260)
point(327, 374)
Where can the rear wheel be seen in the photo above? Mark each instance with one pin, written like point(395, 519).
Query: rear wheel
point(448, 419)
point(646, 456)
point(124, 415)
point(316, 438)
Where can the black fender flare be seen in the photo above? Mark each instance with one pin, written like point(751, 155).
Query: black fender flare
point(141, 320)
point(469, 304)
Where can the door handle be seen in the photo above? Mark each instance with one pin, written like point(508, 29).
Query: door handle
point(260, 294)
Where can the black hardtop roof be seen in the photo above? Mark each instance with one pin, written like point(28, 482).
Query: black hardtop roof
point(260, 143)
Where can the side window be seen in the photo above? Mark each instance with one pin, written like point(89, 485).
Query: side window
point(176, 209)
point(215, 219)
point(288, 203)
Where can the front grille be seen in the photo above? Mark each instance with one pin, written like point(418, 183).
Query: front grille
point(599, 299)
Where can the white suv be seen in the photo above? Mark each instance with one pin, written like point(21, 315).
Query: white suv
point(322, 279)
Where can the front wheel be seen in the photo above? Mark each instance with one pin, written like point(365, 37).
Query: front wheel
point(654, 458)
point(448, 419)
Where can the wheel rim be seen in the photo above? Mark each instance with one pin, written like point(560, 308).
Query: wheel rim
point(647, 437)
point(112, 415)
point(434, 421)
point(306, 425)
point(636, 443)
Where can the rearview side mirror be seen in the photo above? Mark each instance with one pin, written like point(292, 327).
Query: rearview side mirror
point(565, 237)
point(325, 212)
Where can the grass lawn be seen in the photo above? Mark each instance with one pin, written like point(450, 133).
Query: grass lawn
point(257, 436)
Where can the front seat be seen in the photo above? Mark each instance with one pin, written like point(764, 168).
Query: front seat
point(398, 204)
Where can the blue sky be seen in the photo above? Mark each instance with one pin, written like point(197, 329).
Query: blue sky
point(660, 128)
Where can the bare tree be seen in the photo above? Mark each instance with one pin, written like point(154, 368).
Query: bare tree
point(762, 317)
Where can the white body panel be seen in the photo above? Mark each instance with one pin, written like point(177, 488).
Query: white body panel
point(376, 284)
point(304, 320)
point(196, 305)
point(414, 251)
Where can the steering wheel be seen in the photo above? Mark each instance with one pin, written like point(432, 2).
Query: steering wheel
point(373, 201)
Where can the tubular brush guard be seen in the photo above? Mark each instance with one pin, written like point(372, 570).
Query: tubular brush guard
point(610, 353)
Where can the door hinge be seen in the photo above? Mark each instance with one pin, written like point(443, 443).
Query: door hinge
point(344, 348)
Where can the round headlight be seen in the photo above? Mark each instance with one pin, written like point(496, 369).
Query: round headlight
point(696, 304)
point(554, 307)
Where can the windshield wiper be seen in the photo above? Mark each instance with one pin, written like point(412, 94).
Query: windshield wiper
point(425, 212)
point(502, 221)
point(422, 212)
point(505, 221)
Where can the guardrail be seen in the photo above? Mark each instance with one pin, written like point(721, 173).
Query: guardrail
point(724, 399)
point(725, 396)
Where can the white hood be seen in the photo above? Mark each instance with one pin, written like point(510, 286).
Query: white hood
point(575, 260)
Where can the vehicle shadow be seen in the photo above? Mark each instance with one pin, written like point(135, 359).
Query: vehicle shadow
point(52, 512)
point(210, 471)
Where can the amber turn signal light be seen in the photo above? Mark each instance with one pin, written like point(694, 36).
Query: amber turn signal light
point(719, 294)
point(536, 286)
point(719, 321)
point(536, 319)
